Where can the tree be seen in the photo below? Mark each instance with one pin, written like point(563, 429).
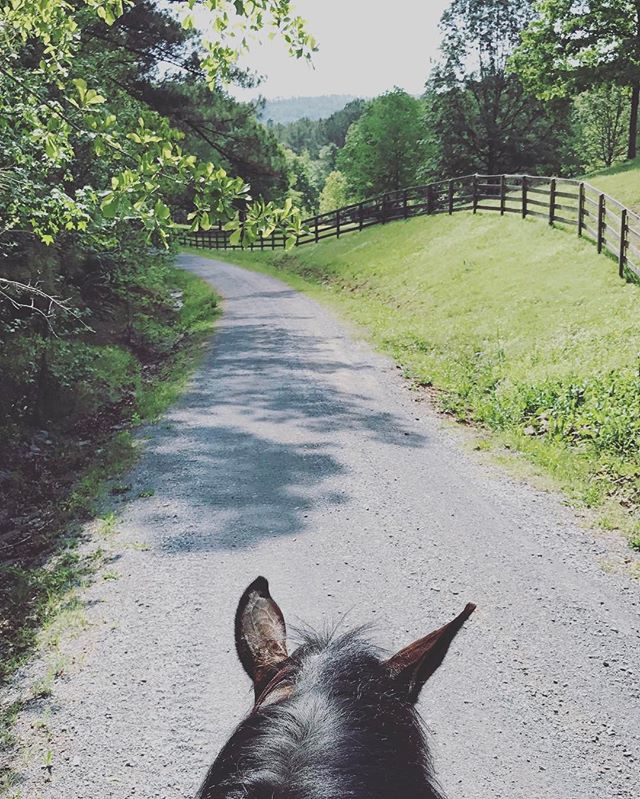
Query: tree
point(221, 130)
point(383, 149)
point(480, 117)
point(217, 128)
point(336, 126)
point(494, 127)
point(575, 46)
point(306, 181)
point(603, 114)
point(300, 135)
point(314, 134)
point(335, 193)
point(62, 104)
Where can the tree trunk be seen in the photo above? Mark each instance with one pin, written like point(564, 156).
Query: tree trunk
point(632, 148)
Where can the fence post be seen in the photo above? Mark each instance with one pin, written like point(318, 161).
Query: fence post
point(361, 214)
point(450, 197)
point(338, 223)
point(261, 242)
point(524, 196)
point(475, 193)
point(384, 209)
point(552, 200)
point(429, 199)
point(317, 232)
point(601, 221)
point(503, 194)
point(580, 208)
point(622, 255)
point(405, 203)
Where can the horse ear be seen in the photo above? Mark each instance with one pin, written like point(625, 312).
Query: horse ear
point(261, 634)
point(412, 666)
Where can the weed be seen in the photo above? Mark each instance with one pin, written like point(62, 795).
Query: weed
point(139, 547)
point(47, 763)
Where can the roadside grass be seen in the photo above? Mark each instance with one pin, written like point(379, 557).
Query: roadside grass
point(521, 329)
point(621, 181)
point(39, 596)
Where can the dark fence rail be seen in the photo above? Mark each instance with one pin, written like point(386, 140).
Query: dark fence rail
point(611, 226)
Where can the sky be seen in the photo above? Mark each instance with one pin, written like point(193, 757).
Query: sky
point(366, 47)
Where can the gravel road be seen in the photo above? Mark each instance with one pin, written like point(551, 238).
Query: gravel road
point(300, 454)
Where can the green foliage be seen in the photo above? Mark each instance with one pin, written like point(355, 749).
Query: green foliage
point(384, 149)
point(335, 193)
point(48, 373)
point(302, 136)
point(29, 598)
point(83, 378)
point(572, 47)
point(337, 125)
point(66, 109)
point(603, 115)
point(193, 322)
point(600, 412)
point(306, 181)
point(579, 45)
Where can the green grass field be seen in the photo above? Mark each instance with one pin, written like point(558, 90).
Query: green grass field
point(622, 182)
point(523, 329)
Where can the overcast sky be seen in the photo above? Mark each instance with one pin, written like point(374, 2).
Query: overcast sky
point(366, 47)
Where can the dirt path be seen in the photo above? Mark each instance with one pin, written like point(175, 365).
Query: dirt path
point(299, 454)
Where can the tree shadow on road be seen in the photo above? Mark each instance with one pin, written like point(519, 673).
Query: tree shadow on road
point(256, 443)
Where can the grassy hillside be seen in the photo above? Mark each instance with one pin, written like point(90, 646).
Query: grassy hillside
point(521, 328)
point(621, 182)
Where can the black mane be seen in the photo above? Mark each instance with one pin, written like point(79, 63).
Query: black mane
point(344, 732)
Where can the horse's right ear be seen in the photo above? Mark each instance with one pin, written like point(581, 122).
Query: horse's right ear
point(412, 666)
point(261, 634)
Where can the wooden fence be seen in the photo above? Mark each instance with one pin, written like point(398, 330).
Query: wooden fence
point(611, 226)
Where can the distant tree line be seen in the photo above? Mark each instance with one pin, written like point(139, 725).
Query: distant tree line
point(289, 109)
point(547, 87)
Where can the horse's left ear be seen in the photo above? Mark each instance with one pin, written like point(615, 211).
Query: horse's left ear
point(412, 666)
point(261, 634)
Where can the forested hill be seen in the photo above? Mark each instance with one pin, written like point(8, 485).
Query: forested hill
point(289, 109)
